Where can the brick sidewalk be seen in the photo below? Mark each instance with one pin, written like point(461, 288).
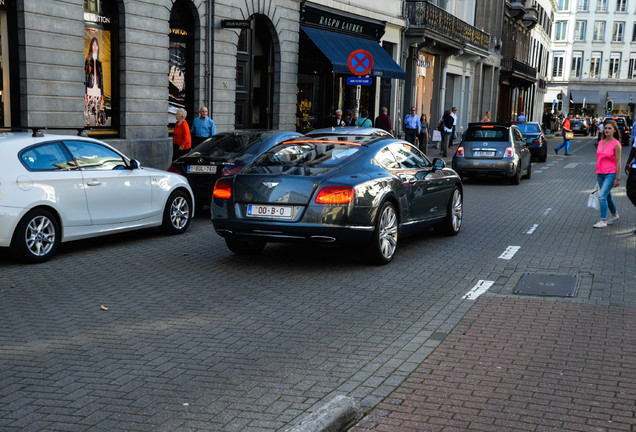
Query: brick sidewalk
point(522, 365)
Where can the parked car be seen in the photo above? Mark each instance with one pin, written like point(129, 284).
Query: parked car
point(57, 188)
point(579, 126)
point(535, 139)
point(222, 154)
point(493, 149)
point(367, 193)
point(624, 128)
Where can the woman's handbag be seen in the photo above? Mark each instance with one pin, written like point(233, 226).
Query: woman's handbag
point(437, 136)
point(592, 200)
point(569, 135)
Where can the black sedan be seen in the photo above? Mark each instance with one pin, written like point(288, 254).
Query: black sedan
point(362, 191)
point(535, 139)
point(579, 126)
point(624, 129)
point(222, 154)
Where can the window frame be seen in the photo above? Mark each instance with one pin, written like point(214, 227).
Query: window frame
point(595, 33)
point(616, 32)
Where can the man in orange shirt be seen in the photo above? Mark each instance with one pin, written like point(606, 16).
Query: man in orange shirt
point(566, 141)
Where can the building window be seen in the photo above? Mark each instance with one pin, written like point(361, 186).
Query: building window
point(601, 5)
point(631, 72)
point(595, 65)
point(599, 31)
point(564, 5)
point(621, 5)
point(614, 65)
point(579, 30)
point(584, 5)
point(634, 33)
point(617, 33)
point(561, 28)
point(577, 62)
point(557, 65)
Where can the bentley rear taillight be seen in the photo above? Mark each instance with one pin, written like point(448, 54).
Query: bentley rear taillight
point(335, 195)
point(222, 189)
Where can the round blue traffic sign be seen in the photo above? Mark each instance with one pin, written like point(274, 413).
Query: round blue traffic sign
point(360, 62)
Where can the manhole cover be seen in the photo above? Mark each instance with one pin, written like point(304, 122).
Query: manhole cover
point(546, 285)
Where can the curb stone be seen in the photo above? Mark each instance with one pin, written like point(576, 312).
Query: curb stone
point(334, 416)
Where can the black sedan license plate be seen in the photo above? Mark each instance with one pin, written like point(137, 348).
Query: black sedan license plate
point(205, 169)
point(271, 211)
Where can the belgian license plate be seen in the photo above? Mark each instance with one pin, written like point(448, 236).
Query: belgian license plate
point(483, 153)
point(207, 169)
point(271, 211)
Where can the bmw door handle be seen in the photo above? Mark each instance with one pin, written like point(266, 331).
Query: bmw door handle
point(93, 183)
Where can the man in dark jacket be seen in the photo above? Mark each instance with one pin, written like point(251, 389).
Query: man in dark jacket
point(383, 121)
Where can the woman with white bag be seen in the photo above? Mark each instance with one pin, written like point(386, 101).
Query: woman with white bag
point(608, 171)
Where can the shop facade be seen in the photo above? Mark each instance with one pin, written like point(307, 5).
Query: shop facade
point(122, 68)
point(326, 40)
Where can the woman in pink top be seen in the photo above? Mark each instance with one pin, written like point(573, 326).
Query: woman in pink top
point(608, 171)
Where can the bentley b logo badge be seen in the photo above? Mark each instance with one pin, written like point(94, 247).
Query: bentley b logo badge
point(270, 184)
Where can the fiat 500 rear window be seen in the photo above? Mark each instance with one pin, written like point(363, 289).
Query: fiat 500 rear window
point(487, 134)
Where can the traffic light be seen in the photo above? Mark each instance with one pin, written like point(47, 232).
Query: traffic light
point(609, 105)
point(559, 106)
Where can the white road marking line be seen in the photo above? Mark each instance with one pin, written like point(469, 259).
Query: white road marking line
point(509, 252)
point(571, 165)
point(532, 228)
point(481, 287)
point(548, 210)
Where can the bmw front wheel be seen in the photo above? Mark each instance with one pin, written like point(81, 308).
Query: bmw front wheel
point(178, 213)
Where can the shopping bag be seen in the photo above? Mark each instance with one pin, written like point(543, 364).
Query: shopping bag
point(592, 200)
point(569, 135)
point(437, 136)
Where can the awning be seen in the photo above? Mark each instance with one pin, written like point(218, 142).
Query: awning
point(589, 96)
point(337, 47)
point(621, 97)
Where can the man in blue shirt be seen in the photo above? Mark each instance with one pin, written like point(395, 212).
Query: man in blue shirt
point(203, 127)
point(411, 126)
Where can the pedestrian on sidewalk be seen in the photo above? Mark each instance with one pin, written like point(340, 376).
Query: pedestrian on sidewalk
point(486, 117)
point(202, 127)
point(630, 170)
point(422, 137)
point(411, 126)
point(447, 125)
point(383, 121)
point(181, 140)
point(566, 130)
point(608, 171)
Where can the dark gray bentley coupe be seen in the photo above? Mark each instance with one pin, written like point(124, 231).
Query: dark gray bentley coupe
point(363, 191)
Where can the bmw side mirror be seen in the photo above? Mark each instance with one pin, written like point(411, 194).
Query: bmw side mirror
point(439, 164)
point(134, 164)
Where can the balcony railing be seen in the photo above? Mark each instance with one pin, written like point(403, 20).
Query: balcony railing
point(422, 14)
point(520, 67)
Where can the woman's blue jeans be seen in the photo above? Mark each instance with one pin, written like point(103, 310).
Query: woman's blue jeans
point(566, 143)
point(605, 184)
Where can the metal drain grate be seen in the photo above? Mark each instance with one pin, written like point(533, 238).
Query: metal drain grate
point(546, 285)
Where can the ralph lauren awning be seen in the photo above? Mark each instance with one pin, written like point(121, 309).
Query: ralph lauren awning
point(337, 47)
point(585, 96)
point(621, 97)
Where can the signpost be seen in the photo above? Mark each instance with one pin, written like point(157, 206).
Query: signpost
point(360, 63)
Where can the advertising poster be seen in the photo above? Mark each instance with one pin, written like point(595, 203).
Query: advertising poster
point(178, 70)
point(97, 77)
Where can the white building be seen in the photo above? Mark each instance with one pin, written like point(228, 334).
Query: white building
point(593, 64)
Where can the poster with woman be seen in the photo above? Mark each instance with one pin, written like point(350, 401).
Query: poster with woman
point(97, 78)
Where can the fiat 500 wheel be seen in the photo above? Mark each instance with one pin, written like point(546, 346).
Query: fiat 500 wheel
point(383, 245)
point(177, 213)
point(36, 237)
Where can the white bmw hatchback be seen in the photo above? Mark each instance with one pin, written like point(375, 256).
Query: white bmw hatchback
point(57, 188)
